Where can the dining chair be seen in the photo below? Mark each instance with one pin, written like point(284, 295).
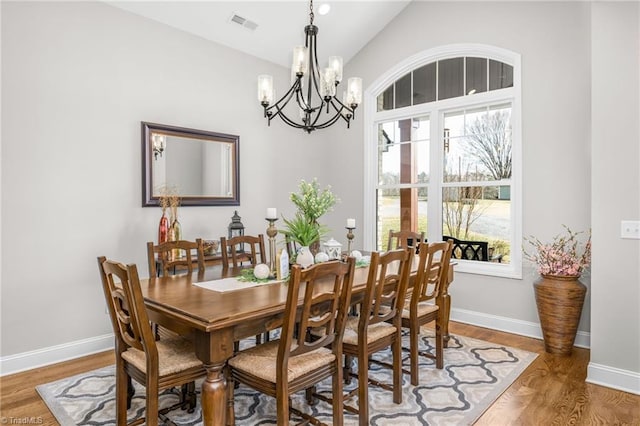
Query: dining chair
point(378, 326)
point(292, 247)
point(157, 365)
point(168, 261)
point(404, 239)
point(231, 255)
point(422, 299)
point(294, 362)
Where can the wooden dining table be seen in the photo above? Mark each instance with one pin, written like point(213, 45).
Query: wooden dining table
point(215, 320)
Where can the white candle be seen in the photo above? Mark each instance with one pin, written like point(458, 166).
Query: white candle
point(351, 223)
point(272, 213)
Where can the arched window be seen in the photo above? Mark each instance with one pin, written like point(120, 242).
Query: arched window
point(442, 155)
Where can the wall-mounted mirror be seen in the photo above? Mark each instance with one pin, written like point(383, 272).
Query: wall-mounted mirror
point(202, 167)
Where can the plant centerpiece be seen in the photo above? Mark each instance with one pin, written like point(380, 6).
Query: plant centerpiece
point(311, 203)
point(559, 293)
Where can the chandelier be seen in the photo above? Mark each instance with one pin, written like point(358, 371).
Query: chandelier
point(313, 89)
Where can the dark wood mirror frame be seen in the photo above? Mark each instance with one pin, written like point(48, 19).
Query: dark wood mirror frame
point(150, 198)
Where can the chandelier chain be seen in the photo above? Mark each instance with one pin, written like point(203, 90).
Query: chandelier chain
point(311, 15)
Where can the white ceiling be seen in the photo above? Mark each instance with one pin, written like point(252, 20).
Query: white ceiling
point(346, 29)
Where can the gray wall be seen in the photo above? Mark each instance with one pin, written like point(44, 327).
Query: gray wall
point(555, 130)
point(615, 102)
point(77, 79)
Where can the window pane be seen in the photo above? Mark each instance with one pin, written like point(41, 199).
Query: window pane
point(424, 84)
point(478, 146)
point(395, 132)
point(450, 78)
point(385, 99)
point(500, 75)
point(405, 158)
point(480, 217)
point(388, 215)
point(476, 75)
point(421, 133)
point(403, 91)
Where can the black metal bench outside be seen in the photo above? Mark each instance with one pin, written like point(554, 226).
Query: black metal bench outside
point(469, 250)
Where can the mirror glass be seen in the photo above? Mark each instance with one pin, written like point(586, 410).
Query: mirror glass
point(201, 167)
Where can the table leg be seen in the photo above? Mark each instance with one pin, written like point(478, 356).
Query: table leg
point(214, 349)
point(214, 396)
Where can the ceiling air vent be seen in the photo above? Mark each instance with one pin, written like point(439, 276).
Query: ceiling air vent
point(243, 22)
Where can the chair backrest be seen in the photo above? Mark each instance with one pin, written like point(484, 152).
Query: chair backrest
point(386, 287)
point(173, 254)
point(469, 250)
point(292, 247)
point(433, 268)
point(230, 252)
point(126, 307)
point(325, 289)
point(404, 239)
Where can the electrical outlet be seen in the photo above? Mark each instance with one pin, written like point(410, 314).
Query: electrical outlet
point(630, 229)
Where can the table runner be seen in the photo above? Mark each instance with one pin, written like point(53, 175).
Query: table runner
point(231, 284)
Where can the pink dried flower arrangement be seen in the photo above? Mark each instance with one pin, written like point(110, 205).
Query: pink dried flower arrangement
point(565, 256)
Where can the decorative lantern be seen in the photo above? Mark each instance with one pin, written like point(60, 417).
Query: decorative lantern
point(236, 228)
point(333, 249)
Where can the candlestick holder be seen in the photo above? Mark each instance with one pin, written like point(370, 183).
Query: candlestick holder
point(272, 231)
point(349, 238)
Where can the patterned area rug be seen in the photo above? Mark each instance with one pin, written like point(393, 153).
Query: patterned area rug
point(475, 374)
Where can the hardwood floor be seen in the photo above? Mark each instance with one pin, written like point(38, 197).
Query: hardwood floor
point(552, 391)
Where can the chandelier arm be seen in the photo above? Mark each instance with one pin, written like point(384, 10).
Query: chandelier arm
point(313, 75)
point(350, 111)
point(329, 122)
point(302, 103)
point(287, 95)
point(335, 100)
point(291, 122)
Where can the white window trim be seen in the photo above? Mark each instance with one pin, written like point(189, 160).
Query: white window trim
point(372, 118)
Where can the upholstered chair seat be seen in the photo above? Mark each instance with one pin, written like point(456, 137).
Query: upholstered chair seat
point(175, 354)
point(260, 361)
point(374, 331)
point(422, 309)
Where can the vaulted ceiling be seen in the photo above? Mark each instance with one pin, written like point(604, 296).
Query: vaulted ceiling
point(279, 25)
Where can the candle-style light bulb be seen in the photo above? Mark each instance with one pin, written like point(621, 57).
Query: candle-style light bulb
point(265, 89)
point(300, 63)
point(335, 62)
point(354, 91)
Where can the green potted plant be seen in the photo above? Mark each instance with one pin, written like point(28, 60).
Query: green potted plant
point(304, 233)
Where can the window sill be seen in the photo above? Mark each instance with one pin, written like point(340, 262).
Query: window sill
point(503, 270)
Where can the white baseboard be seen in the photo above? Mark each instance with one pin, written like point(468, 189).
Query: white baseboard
point(33, 359)
point(611, 377)
point(511, 325)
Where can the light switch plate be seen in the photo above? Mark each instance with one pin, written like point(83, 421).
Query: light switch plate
point(630, 229)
